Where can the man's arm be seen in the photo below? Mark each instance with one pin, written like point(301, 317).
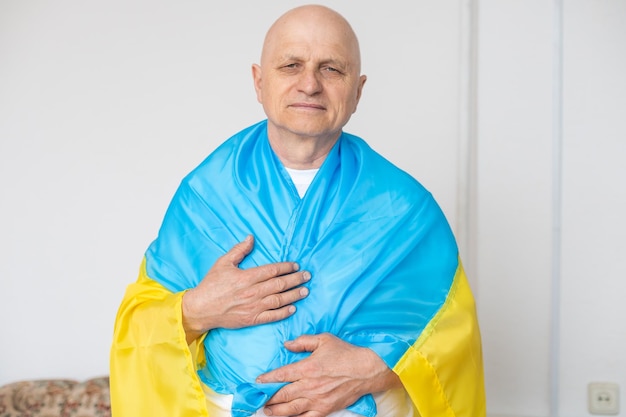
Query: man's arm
point(150, 353)
point(230, 297)
point(333, 377)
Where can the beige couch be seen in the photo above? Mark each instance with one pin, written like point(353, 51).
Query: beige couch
point(56, 398)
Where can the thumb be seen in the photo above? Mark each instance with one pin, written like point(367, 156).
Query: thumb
point(237, 253)
point(304, 343)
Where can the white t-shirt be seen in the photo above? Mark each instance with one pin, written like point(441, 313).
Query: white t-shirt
point(302, 178)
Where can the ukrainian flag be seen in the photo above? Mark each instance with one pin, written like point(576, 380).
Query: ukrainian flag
point(385, 272)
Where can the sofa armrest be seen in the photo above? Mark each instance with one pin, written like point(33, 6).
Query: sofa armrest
point(56, 397)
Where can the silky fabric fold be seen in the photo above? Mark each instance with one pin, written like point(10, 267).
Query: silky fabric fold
point(380, 251)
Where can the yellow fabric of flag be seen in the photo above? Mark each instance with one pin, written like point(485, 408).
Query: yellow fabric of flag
point(443, 370)
point(153, 370)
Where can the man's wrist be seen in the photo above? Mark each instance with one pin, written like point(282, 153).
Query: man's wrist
point(384, 378)
point(192, 328)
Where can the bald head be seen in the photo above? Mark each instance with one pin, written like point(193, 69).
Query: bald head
point(309, 83)
point(317, 23)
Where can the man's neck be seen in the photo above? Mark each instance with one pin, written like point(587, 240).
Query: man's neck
point(300, 152)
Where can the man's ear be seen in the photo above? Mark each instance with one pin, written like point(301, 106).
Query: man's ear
point(256, 78)
point(359, 90)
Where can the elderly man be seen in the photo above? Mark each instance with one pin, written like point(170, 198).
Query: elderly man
point(334, 285)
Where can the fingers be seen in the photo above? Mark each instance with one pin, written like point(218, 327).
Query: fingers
point(281, 299)
point(238, 252)
point(287, 373)
point(279, 287)
point(278, 305)
point(269, 316)
point(294, 407)
point(277, 269)
point(285, 289)
point(260, 273)
point(283, 374)
point(304, 343)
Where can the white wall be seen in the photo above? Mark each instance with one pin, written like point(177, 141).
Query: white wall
point(551, 193)
point(593, 343)
point(104, 106)
point(514, 202)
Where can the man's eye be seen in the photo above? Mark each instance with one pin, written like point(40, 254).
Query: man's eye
point(294, 65)
point(332, 70)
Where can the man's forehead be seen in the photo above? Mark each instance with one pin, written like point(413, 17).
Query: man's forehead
point(307, 53)
point(311, 51)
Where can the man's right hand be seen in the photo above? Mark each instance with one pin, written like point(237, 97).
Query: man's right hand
point(231, 297)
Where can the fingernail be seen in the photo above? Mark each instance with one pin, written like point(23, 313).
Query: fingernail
point(248, 238)
point(292, 309)
point(267, 411)
point(296, 266)
point(304, 291)
point(306, 275)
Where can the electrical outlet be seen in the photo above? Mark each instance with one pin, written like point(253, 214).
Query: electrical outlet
point(603, 398)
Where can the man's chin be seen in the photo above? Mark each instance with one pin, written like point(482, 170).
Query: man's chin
point(307, 131)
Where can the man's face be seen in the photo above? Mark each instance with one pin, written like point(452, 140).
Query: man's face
point(308, 81)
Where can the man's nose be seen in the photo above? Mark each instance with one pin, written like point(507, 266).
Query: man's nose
point(309, 82)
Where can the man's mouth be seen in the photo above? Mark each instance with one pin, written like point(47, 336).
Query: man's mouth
point(305, 106)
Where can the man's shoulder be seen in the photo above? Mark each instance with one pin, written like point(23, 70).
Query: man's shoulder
point(224, 154)
point(382, 190)
point(381, 171)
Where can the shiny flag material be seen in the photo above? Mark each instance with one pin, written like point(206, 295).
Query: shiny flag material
point(385, 275)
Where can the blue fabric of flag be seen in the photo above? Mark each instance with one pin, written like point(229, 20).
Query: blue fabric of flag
point(380, 251)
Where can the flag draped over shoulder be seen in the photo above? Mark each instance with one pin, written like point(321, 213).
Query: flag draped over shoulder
point(385, 275)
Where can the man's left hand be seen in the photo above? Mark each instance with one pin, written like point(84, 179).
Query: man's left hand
point(333, 377)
